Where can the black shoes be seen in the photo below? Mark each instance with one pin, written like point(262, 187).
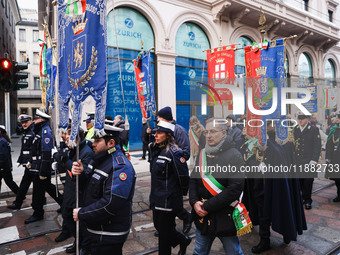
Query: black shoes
point(71, 249)
point(62, 237)
point(14, 207)
point(308, 205)
point(264, 245)
point(156, 234)
point(33, 218)
point(337, 199)
point(184, 245)
point(286, 240)
point(187, 225)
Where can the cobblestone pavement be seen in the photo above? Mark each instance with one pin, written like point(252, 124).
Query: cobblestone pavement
point(38, 238)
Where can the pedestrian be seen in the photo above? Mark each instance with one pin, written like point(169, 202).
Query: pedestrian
point(69, 198)
point(110, 183)
point(232, 129)
point(24, 158)
point(144, 138)
point(40, 167)
point(274, 202)
point(183, 142)
point(195, 133)
point(333, 154)
point(212, 210)
point(166, 198)
point(90, 129)
point(6, 161)
point(307, 149)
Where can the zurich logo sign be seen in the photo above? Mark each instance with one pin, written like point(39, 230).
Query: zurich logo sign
point(129, 23)
point(191, 36)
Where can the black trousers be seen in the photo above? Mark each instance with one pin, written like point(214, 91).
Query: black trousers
point(145, 149)
point(25, 183)
point(112, 249)
point(8, 177)
point(306, 185)
point(168, 235)
point(337, 183)
point(39, 188)
point(69, 226)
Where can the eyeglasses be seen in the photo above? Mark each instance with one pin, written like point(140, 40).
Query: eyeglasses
point(212, 132)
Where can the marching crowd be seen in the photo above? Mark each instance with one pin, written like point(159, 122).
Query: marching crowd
point(100, 168)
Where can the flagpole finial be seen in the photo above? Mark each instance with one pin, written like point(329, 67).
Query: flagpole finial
point(142, 44)
point(262, 23)
point(54, 2)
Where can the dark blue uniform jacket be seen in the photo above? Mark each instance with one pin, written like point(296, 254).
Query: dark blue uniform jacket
point(108, 197)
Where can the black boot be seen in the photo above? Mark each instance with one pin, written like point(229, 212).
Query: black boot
point(14, 206)
point(184, 245)
point(33, 218)
point(62, 237)
point(263, 245)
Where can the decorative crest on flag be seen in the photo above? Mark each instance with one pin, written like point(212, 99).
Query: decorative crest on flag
point(79, 26)
point(262, 70)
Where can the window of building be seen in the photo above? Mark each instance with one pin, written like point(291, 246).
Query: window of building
point(36, 58)
point(305, 66)
point(22, 35)
point(24, 110)
point(23, 56)
point(330, 16)
point(128, 21)
point(35, 35)
point(36, 82)
point(305, 5)
point(191, 68)
point(329, 70)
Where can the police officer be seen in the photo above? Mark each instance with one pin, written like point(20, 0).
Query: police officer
point(333, 154)
point(169, 178)
point(107, 210)
point(6, 160)
point(24, 158)
point(41, 166)
point(307, 147)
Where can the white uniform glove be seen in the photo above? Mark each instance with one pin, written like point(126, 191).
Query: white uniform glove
point(28, 165)
point(42, 177)
point(55, 166)
point(312, 162)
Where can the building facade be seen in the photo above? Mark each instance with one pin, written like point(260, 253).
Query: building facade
point(28, 50)
point(179, 32)
point(9, 16)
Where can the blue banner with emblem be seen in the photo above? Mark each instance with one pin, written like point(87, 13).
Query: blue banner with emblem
point(82, 62)
point(51, 75)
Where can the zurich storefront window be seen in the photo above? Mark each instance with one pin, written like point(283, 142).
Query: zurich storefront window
point(191, 66)
point(132, 27)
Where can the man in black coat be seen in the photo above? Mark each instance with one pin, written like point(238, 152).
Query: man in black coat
point(307, 148)
point(110, 184)
point(24, 158)
point(213, 202)
point(69, 199)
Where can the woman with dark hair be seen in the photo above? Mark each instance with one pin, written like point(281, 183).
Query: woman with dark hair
point(169, 181)
point(6, 160)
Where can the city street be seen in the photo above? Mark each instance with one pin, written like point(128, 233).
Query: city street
point(322, 236)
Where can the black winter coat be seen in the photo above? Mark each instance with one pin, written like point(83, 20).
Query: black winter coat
point(26, 145)
point(233, 183)
point(85, 155)
point(166, 192)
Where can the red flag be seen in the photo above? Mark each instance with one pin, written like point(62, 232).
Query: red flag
point(139, 77)
point(221, 69)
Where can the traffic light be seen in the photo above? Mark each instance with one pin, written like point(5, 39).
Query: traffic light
point(17, 84)
point(6, 74)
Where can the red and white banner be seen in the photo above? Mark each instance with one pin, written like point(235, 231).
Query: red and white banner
point(221, 70)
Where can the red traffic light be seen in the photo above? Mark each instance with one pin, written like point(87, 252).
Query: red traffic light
point(5, 64)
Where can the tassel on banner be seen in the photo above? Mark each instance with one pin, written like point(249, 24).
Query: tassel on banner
point(241, 219)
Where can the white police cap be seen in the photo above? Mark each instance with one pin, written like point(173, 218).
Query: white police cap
point(24, 118)
point(40, 114)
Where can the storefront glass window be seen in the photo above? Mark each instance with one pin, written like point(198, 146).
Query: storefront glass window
point(132, 27)
point(191, 67)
